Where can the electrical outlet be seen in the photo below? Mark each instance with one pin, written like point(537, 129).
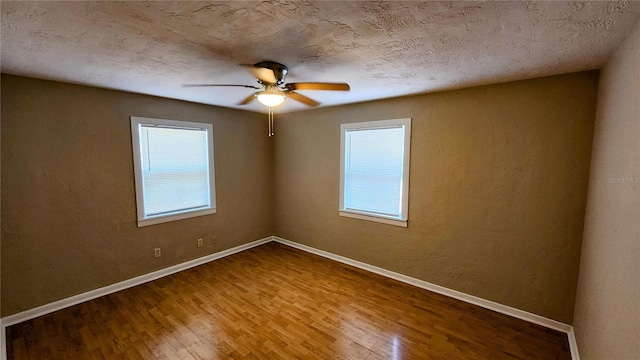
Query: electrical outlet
point(199, 242)
point(213, 240)
point(157, 252)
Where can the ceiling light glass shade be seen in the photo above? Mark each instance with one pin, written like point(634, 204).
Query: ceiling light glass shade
point(271, 97)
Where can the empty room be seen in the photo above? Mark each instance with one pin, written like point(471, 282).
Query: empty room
point(320, 180)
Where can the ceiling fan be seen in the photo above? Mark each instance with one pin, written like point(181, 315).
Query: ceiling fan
point(270, 76)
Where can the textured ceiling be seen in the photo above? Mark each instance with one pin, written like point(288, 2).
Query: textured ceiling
point(382, 49)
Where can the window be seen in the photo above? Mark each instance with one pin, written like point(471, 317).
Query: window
point(174, 172)
point(374, 170)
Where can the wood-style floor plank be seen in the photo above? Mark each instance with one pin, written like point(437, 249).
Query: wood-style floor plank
point(276, 302)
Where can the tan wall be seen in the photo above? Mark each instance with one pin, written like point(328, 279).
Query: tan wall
point(68, 205)
point(2, 333)
point(498, 189)
point(607, 313)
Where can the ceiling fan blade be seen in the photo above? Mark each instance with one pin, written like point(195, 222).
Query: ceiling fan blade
point(247, 100)
point(212, 85)
point(265, 75)
point(301, 98)
point(318, 86)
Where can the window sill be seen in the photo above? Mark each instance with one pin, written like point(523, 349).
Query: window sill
point(368, 217)
point(174, 217)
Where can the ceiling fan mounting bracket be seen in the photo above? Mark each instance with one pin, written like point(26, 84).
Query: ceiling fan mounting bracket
point(279, 70)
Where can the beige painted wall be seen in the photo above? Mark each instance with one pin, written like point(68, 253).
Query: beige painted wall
point(607, 312)
point(68, 206)
point(498, 189)
point(2, 333)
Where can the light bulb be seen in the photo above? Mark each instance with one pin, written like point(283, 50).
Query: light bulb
point(270, 99)
point(271, 96)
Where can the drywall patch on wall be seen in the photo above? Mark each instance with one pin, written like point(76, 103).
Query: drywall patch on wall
point(497, 189)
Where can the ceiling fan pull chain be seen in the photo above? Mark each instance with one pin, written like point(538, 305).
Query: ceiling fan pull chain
point(272, 129)
point(271, 133)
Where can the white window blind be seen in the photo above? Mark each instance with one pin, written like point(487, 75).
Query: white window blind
point(174, 169)
point(375, 168)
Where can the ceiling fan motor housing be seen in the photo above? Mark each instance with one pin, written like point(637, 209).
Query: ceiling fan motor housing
point(279, 70)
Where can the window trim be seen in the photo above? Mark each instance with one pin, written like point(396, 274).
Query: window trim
point(142, 221)
point(401, 220)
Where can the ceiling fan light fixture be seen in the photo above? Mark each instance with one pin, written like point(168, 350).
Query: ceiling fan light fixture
point(270, 99)
point(271, 96)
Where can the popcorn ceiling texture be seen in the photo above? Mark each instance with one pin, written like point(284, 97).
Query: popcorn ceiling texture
point(383, 49)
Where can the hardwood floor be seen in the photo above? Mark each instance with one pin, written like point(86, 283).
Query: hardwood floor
point(276, 302)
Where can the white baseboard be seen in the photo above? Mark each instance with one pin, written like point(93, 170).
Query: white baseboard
point(487, 304)
point(3, 341)
point(90, 295)
point(573, 345)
